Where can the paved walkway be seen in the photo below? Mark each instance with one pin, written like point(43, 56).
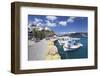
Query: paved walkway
point(37, 50)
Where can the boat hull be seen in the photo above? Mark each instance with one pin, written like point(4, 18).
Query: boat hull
point(73, 47)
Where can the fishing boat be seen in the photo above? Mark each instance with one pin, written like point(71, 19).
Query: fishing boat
point(72, 47)
point(70, 44)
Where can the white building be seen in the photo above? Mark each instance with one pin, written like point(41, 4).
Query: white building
point(46, 28)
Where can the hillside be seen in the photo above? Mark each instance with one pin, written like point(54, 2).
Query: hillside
point(78, 35)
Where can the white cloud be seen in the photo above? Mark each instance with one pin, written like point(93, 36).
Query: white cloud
point(51, 21)
point(71, 19)
point(37, 21)
point(63, 23)
point(52, 18)
point(50, 24)
point(40, 24)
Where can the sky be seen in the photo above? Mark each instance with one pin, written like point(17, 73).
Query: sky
point(60, 24)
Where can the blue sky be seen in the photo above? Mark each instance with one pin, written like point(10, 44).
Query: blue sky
point(60, 24)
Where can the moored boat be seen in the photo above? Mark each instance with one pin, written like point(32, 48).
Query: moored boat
point(70, 44)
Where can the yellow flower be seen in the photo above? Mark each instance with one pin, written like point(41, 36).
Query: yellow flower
point(50, 43)
point(53, 57)
point(52, 52)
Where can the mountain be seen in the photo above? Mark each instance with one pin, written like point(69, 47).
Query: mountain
point(78, 35)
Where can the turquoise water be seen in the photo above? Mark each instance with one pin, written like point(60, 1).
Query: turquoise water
point(81, 52)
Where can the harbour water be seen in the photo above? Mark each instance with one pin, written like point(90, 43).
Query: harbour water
point(81, 52)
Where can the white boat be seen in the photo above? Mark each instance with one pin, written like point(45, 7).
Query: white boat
point(72, 47)
point(70, 44)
